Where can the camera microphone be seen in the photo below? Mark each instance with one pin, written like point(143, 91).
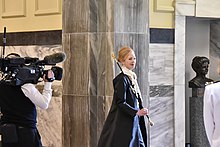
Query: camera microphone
point(54, 58)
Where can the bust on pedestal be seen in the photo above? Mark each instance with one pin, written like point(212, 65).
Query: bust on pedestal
point(198, 136)
point(200, 65)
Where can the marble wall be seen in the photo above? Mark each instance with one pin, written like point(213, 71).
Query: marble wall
point(214, 70)
point(161, 105)
point(88, 41)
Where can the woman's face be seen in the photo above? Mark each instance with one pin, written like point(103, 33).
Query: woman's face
point(130, 61)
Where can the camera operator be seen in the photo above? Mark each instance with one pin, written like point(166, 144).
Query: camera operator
point(19, 114)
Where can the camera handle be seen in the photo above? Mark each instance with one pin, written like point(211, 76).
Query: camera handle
point(46, 76)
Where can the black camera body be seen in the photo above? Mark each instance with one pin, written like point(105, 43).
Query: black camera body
point(18, 70)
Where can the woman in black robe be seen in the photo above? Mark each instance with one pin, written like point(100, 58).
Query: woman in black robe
point(125, 126)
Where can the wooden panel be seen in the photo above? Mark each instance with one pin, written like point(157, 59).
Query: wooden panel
point(208, 8)
point(13, 8)
point(43, 7)
point(164, 6)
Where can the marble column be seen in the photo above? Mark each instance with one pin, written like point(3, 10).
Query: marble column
point(92, 30)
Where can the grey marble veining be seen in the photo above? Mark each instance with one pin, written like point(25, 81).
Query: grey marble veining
point(50, 123)
point(214, 69)
point(161, 60)
point(131, 16)
point(161, 91)
point(75, 16)
point(93, 4)
point(78, 61)
point(179, 78)
point(161, 113)
point(76, 132)
point(100, 61)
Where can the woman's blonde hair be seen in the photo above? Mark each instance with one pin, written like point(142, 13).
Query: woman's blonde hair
point(123, 53)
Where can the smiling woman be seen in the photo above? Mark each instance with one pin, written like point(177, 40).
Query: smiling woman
point(127, 58)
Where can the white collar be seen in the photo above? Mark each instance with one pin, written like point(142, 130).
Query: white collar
point(130, 74)
point(133, 77)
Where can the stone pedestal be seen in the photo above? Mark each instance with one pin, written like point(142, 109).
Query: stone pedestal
point(198, 136)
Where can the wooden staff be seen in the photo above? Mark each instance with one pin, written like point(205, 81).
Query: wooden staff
point(113, 56)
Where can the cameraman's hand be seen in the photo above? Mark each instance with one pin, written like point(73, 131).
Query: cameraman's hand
point(50, 75)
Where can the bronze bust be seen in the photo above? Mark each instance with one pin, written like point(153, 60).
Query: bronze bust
point(200, 65)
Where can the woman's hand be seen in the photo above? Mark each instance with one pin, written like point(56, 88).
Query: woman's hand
point(142, 112)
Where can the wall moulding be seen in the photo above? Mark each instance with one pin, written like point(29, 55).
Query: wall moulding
point(160, 6)
point(16, 10)
point(185, 8)
point(40, 9)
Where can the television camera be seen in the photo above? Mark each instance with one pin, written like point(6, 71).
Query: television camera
point(18, 70)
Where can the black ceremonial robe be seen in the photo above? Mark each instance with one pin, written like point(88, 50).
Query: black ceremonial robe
point(122, 119)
